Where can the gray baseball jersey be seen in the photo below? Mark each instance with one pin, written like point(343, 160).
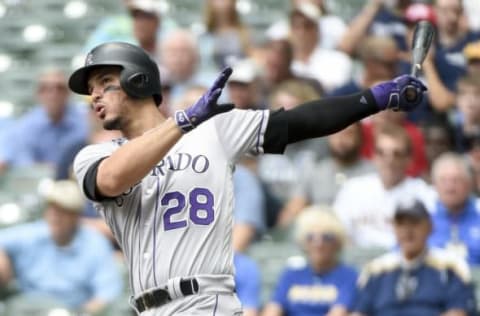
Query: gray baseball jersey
point(177, 221)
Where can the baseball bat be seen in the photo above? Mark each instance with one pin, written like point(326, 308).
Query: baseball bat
point(422, 39)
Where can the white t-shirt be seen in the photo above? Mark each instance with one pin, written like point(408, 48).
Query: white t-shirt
point(331, 30)
point(177, 221)
point(366, 208)
point(330, 67)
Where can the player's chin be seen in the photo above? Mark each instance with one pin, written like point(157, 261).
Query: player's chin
point(112, 124)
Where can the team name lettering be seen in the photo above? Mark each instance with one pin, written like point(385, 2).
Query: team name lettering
point(181, 161)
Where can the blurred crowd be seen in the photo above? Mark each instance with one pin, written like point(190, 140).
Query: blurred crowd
point(406, 184)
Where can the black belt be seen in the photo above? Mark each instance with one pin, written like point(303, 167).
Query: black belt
point(159, 297)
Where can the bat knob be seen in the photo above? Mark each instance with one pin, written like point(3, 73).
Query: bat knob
point(411, 94)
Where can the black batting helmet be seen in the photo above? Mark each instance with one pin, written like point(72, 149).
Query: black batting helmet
point(139, 77)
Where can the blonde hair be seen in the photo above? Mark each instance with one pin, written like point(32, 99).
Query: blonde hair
point(318, 218)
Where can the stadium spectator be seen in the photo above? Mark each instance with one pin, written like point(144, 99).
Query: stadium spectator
point(247, 283)
point(243, 87)
point(59, 258)
point(472, 55)
point(418, 162)
point(456, 215)
point(226, 39)
point(329, 67)
point(331, 27)
point(180, 62)
point(438, 136)
point(142, 24)
point(467, 118)
point(277, 68)
point(321, 284)
point(377, 18)
point(366, 204)
point(379, 62)
point(54, 119)
point(320, 183)
point(415, 279)
point(452, 37)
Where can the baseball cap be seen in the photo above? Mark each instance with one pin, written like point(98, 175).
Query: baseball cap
point(472, 51)
point(149, 6)
point(419, 12)
point(66, 194)
point(412, 208)
point(244, 71)
point(309, 10)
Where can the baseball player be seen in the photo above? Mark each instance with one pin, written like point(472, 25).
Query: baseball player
point(165, 189)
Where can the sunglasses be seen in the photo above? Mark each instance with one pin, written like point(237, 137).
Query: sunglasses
point(320, 237)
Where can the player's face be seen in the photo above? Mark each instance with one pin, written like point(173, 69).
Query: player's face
point(62, 224)
point(453, 185)
point(108, 99)
point(322, 248)
point(412, 234)
point(391, 159)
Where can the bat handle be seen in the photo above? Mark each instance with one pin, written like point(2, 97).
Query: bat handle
point(410, 92)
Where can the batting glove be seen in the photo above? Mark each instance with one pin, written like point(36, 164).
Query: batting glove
point(206, 106)
point(392, 94)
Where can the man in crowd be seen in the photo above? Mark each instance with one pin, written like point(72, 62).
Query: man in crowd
point(456, 217)
point(39, 135)
point(415, 280)
point(366, 204)
point(59, 258)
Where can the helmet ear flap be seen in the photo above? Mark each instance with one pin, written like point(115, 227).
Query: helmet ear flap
point(135, 84)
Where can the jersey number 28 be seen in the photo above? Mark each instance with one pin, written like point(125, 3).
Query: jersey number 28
point(200, 208)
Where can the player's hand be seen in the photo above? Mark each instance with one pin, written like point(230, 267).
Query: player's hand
point(206, 106)
point(391, 94)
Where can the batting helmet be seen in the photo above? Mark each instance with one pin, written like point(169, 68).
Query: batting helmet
point(139, 77)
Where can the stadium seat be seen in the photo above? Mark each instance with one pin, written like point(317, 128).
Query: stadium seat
point(358, 257)
point(38, 305)
point(271, 257)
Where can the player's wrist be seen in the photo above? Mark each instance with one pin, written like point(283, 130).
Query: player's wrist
point(183, 121)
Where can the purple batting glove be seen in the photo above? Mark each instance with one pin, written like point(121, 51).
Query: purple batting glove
point(206, 106)
point(392, 94)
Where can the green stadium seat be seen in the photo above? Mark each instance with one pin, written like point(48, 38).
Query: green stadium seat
point(358, 257)
point(271, 257)
point(38, 305)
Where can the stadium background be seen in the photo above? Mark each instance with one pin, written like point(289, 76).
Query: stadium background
point(53, 32)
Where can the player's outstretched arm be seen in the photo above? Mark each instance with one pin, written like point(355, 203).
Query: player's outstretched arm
point(134, 160)
point(329, 115)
